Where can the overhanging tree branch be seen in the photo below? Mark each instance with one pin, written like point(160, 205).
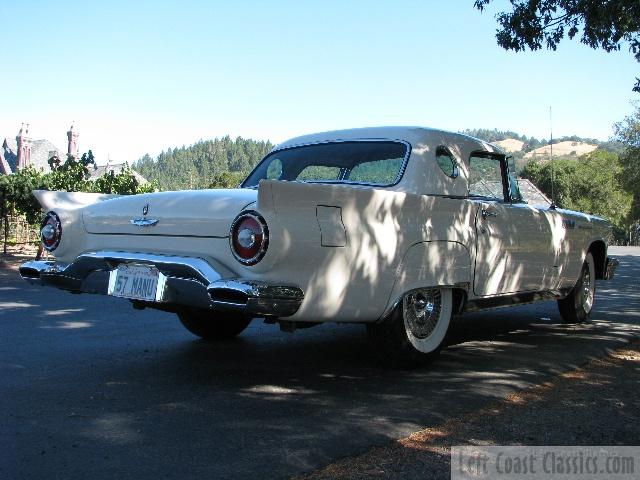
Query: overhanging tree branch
point(605, 24)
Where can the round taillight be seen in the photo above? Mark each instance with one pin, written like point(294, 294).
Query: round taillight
point(249, 238)
point(50, 231)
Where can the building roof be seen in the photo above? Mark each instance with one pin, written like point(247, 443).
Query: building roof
point(116, 168)
point(5, 169)
point(41, 151)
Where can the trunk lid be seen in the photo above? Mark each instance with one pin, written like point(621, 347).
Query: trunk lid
point(188, 213)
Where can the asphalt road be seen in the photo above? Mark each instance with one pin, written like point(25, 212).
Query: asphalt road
point(90, 388)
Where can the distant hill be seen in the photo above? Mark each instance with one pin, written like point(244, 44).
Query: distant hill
point(510, 145)
point(512, 140)
point(562, 149)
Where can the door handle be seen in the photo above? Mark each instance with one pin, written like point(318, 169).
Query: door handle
point(488, 213)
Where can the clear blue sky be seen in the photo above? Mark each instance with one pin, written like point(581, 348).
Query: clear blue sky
point(143, 76)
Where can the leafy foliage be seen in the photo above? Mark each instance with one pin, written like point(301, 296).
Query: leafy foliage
point(605, 24)
point(15, 193)
point(588, 184)
point(226, 180)
point(628, 132)
point(72, 175)
point(124, 183)
point(201, 164)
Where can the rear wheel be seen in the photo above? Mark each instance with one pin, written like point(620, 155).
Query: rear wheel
point(204, 324)
point(577, 306)
point(413, 334)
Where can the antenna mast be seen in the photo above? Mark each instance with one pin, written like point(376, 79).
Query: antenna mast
point(553, 179)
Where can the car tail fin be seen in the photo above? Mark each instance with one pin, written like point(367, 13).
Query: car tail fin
point(69, 200)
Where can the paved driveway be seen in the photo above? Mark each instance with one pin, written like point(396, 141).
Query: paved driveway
point(90, 388)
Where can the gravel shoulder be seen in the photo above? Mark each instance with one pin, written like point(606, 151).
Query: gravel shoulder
point(594, 405)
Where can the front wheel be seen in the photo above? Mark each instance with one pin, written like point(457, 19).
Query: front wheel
point(413, 333)
point(204, 324)
point(576, 307)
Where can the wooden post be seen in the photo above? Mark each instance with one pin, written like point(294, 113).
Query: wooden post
point(6, 233)
point(4, 218)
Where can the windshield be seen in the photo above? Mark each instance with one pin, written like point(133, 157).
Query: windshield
point(368, 162)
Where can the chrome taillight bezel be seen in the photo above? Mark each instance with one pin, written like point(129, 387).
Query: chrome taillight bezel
point(264, 230)
point(51, 220)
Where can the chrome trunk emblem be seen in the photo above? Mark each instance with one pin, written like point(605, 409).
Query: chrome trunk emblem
point(144, 221)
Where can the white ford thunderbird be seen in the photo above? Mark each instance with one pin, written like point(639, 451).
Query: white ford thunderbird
point(395, 228)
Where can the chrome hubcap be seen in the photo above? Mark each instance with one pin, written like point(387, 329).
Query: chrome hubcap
point(586, 293)
point(421, 310)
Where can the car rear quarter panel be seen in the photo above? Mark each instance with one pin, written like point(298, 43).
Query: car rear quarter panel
point(394, 240)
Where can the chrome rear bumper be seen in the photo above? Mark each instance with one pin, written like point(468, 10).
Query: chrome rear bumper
point(191, 282)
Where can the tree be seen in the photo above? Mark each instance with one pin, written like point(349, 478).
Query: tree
point(591, 183)
point(73, 174)
point(227, 180)
point(200, 164)
point(124, 183)
point(628, 133)
point(605, 24)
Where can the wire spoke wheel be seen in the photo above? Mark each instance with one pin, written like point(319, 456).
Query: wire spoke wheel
point(586, 293)
point(421, 311)
point(413, 333)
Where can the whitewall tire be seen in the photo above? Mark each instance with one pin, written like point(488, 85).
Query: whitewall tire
point(414, 332)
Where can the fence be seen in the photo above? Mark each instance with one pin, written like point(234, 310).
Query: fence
point(17, 233)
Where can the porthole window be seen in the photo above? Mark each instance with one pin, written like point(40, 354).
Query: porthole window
point(446, 162)
point(274, 171)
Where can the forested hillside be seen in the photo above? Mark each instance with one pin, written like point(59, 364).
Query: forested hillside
point(203, 164)
point(224, 162)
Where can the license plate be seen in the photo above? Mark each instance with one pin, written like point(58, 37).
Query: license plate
point(138, 282)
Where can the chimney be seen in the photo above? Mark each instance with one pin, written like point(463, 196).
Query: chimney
point(24, 147)
point(72, 137)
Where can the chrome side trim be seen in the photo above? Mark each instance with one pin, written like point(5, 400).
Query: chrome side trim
point(500, 301)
